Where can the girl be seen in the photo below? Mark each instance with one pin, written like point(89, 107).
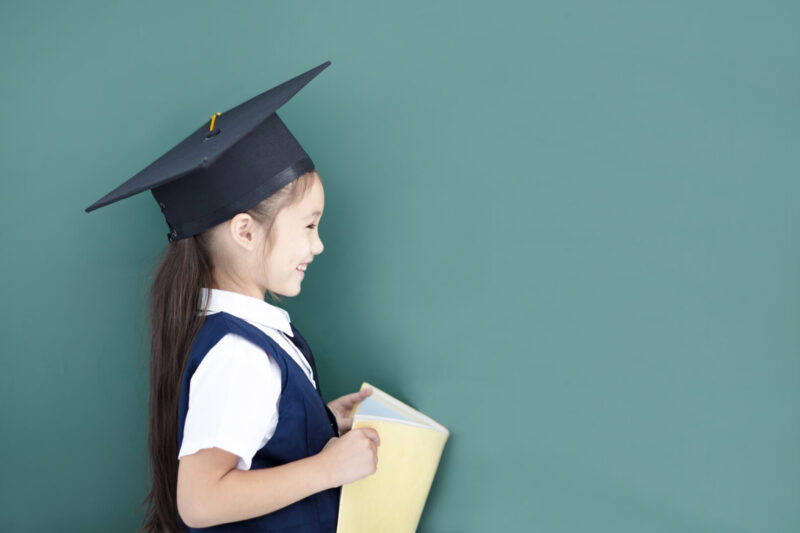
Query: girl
point(240, 437)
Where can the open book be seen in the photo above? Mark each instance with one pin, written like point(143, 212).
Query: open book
point(391, 499)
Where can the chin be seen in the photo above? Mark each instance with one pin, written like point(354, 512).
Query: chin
point(289, 293)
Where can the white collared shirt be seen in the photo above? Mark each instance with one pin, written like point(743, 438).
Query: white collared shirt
point(234, 393)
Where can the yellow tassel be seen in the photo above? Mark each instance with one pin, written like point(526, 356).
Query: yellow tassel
point(213, 118)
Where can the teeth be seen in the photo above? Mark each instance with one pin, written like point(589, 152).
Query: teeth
point(302, 267)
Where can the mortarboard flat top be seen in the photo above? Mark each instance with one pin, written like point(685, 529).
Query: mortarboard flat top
point(215, 173)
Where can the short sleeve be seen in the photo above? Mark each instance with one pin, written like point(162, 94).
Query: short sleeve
point(233, 400)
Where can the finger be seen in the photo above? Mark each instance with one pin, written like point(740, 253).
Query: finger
point(372, 435)
point(347, 402)
point(360, 395)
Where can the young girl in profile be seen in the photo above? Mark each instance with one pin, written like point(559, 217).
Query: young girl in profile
point(240, 437)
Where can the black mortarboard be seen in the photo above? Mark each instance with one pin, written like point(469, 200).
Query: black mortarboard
point(215, 173)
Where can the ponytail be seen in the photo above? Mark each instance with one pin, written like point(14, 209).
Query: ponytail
point(174, 322)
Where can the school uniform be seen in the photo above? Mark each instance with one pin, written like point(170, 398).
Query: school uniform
point(250, 387)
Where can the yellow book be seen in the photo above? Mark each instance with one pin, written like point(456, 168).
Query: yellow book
point(391, 499)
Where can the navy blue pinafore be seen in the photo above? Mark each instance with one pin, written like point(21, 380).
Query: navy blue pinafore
point(305, 424)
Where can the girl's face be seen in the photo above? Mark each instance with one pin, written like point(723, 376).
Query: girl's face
point(294, 242)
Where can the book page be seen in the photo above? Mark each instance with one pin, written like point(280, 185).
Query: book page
point(371, 406)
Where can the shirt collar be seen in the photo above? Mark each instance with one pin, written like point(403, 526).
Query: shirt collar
point(247, 308)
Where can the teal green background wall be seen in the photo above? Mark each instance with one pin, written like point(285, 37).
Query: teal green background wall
point(568, 231)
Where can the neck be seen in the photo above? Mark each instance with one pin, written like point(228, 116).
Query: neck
point(232, 284)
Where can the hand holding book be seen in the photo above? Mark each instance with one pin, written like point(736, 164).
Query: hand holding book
point(350, 457)
point(343, 406)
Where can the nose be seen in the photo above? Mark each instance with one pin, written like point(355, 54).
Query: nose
point(316, 245)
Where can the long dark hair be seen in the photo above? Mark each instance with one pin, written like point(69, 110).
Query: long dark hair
point(175, 319)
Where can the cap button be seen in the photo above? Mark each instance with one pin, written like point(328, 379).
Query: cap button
point(212, 134)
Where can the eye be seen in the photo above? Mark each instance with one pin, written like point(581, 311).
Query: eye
point(312, 226)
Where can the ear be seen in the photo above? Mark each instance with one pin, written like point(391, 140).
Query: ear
point(244, 231)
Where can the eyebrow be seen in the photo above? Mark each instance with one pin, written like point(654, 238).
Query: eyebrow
point(315, 213)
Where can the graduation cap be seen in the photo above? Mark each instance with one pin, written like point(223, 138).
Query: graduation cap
point(227, 166)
